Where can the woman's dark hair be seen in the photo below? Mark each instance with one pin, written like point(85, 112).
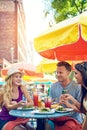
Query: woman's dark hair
point(65, 64)
point(82, 68)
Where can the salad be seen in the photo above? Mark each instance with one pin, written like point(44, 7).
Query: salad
point(44, 110)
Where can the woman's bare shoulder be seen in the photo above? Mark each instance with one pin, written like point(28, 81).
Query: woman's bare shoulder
point(23, 88)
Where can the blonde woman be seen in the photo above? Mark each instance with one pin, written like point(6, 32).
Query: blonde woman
point(12, 98)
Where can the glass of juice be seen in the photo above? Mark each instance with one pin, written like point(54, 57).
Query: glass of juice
point(48, 102)
point(39, 101)
point(35, 99)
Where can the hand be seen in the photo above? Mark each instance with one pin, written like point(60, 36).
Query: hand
point(65, 98)
point(66, 103)
point(13, 102)
point(69, 98)
point(22, 103)
point(62, 98)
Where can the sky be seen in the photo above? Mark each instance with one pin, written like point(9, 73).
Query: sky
point(35, 21)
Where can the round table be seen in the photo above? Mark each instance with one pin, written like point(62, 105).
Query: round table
point(40, 117)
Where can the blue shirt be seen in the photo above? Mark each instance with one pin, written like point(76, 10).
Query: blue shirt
point(73, 89)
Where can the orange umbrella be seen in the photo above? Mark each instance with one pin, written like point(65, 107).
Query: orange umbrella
point(65, 41)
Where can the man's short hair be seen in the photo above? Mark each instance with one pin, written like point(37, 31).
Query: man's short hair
point(65, 64)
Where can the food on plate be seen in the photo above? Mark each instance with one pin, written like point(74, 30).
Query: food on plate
point(27, 107)
point(55, 106)
point(60, 108)
point(44, 110)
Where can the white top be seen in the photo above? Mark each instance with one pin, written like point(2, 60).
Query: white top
point(85, 104)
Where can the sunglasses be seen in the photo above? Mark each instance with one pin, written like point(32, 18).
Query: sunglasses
point(84, 65)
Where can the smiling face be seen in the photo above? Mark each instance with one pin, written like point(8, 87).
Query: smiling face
point(78, 76)
point(16, 79)
point(62, 73)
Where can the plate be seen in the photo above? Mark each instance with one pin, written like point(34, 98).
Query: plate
point(50, 112)
point(65, 110)
point(25, 109)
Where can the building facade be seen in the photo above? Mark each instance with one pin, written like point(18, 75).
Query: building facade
point(13, 43)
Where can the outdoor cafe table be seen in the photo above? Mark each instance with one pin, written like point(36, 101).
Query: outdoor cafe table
point(41, 118)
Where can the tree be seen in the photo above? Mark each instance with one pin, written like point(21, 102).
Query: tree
point(64, 9)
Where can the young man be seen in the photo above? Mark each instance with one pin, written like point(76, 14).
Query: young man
point(65, 83)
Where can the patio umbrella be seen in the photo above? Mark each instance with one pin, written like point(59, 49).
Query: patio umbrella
point(29, 70)
point(66, 40)
point(47, 66)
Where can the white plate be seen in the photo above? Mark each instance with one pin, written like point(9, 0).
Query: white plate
point(65, 110)
point(38, 112)
point(25, 109)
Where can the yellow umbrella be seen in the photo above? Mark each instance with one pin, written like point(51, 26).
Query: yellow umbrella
point(47, 65)
point(66, 40)
point(29, 78)
point(50, 66)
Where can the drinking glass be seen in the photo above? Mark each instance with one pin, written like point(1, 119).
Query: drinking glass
point(48, 102)
point(24, 98)
point(35, 99)
point(39, 101)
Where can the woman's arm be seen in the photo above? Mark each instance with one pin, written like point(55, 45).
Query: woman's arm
point(66, 98)
point(74, 107)
point(13, 104)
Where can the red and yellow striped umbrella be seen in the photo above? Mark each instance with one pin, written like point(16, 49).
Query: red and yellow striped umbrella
point(66, 40)
point(29, 71)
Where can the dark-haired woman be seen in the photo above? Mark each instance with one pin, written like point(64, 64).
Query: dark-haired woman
point(81, 77)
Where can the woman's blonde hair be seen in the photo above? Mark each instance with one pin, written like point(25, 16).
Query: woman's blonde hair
point(1, 96)
point(8, 89)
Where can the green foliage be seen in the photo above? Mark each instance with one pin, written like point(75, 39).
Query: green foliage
point(64, 9)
